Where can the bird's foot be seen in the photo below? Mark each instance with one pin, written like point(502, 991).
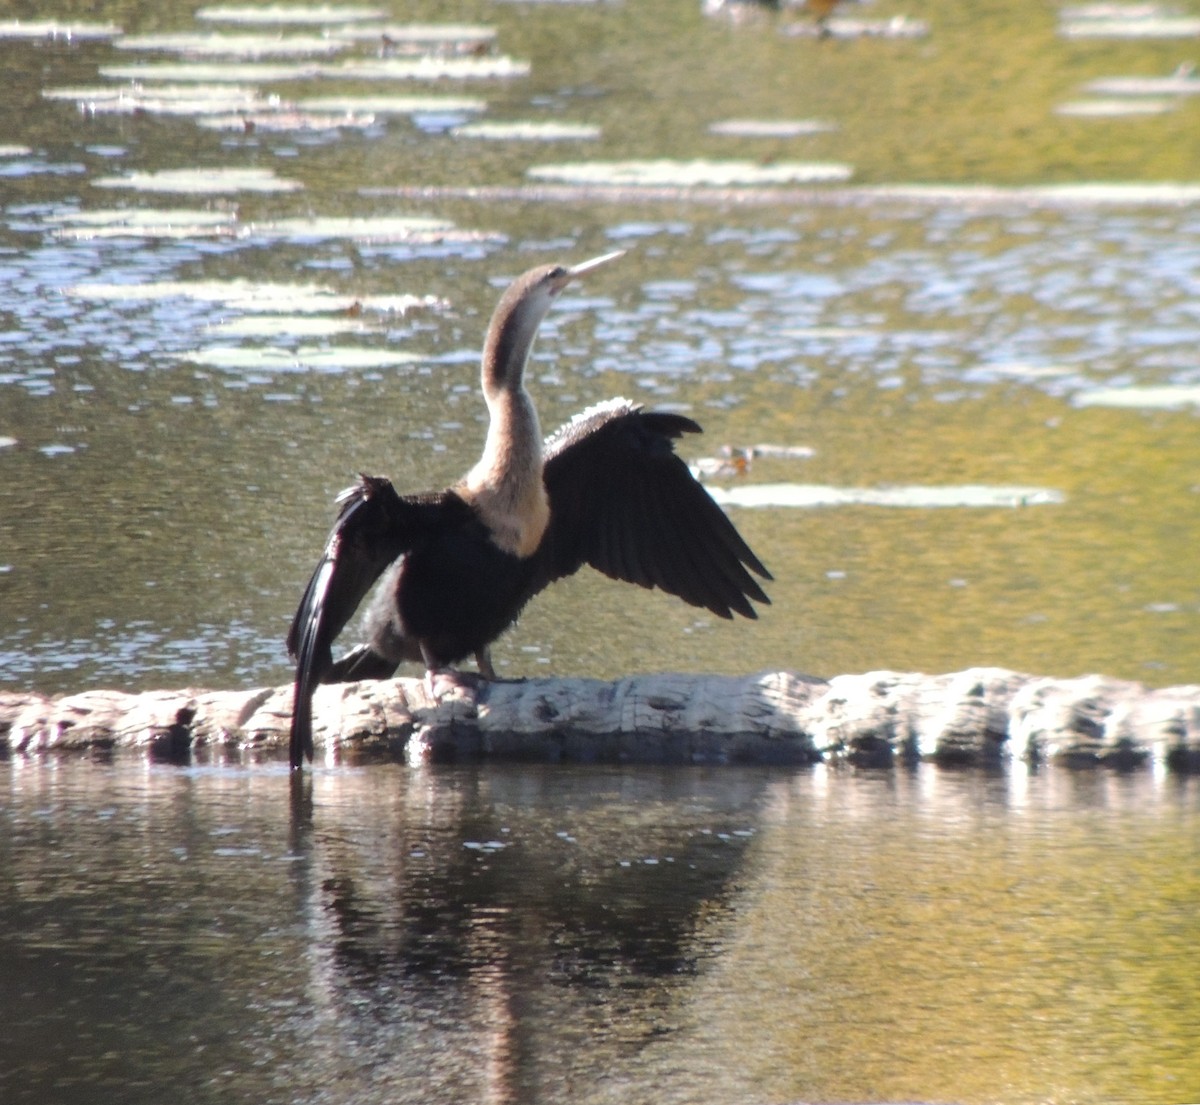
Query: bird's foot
point(442, 683)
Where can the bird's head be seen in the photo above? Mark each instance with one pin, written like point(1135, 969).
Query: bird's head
point(520, 312)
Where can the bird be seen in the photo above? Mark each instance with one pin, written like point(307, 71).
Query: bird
point(456, 567)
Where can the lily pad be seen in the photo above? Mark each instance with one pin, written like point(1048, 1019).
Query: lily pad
point(201, 182)
point(52, 28)
point(428, 68)
point(288, 13)
point(234, 72)
point(1083, 194)
point(241, 358)
point(424, 36)
point(424, 68)
point(820, 495)
point(287, 121)
point(899, 26)
point(186, 99)
point(144, 223)
point(1114, 108)
point(1137, 27)
point(246, 46)
point(770, 128)
point(246, 295)
point(400, 228)
point(697, 173)
point(308, 326)
point(1183, 82)
point(529, 131)
point(1164, 397)
point(395, 105)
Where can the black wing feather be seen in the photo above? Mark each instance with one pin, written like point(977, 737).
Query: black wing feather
point(372, 529)
point(622, 501)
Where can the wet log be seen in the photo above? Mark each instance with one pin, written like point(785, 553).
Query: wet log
point(981, 716)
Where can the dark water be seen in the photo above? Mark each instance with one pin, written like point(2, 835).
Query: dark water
point(519, 935)
point(529, 935)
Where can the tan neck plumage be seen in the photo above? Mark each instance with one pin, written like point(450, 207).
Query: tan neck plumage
point(506, 485)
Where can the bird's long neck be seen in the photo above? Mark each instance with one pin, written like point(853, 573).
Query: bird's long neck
point(506, 485)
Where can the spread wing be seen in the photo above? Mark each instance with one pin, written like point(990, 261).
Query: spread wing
point(622, 501)
point(372, 529)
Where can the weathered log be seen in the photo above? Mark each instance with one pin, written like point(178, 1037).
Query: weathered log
point(984, 716)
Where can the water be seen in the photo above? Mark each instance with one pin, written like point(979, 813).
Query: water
point(510, 934)
point(595, 935)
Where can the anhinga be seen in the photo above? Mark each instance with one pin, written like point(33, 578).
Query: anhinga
point(458, 566)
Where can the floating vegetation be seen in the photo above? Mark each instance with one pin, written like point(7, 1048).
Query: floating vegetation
point(236, 46)
point(395, 105)
point(244, 72)
point(899, 26)
point(304, 359)
point(1183, 82)
point(428, 68)
point(253, 297)
point(424, 68)
point(698, 173)
point(1125, 21)
point(819, 495)
point(185, 99)
point(201, 182)
point(290, 121)
point(1114, 109)
point(51, 28)
point(519, 130)
point(770, 128)
point(1084, 194)
point(288, 13)
point(143, 223)
point(307, 326)
point(423, 35)
point(400, 228)
point(1163, 397)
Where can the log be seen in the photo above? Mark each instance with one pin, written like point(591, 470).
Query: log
point(981, 716)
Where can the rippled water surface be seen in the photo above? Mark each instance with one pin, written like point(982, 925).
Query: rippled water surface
point(975, 363)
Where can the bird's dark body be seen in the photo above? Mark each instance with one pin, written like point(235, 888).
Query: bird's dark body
point(456, 567)
point(455, 592)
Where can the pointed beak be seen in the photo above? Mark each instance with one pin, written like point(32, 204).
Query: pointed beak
point(585, 267)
